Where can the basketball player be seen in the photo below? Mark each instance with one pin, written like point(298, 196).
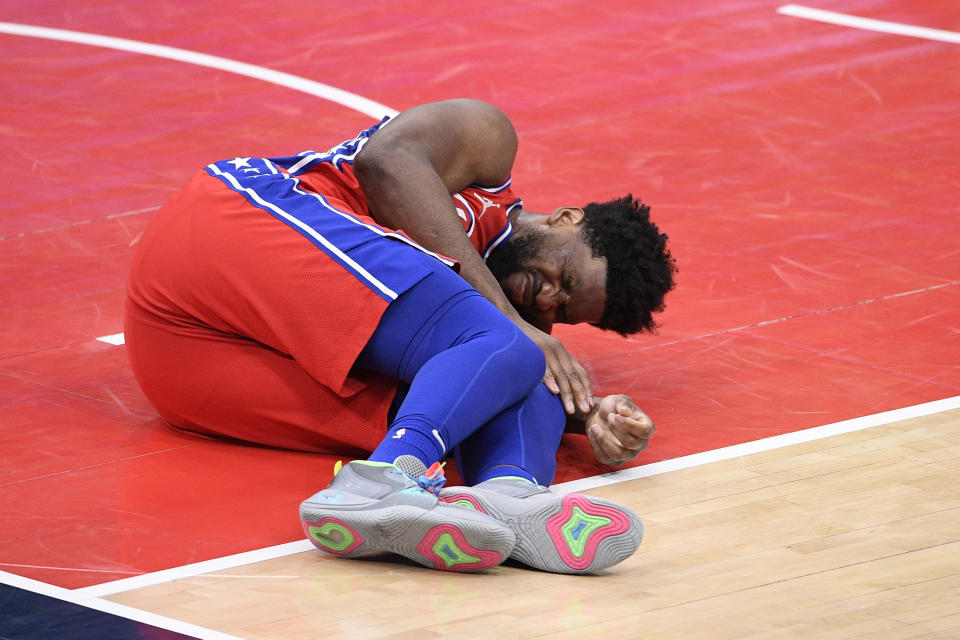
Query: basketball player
point(396, 283)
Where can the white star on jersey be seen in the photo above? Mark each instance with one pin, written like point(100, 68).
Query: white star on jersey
point(239, 162)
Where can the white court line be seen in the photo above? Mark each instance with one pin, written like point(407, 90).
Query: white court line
point(195, 569)
point(869, 24)
point(345, 98)
point(645, 471)
point(106, 606)
point(339, 96)
point(765, 444)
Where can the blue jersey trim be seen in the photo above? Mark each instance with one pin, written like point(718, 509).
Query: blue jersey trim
point(343, 152)
point(348, 240)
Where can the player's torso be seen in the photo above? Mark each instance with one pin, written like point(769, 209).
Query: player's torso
point(484, 213)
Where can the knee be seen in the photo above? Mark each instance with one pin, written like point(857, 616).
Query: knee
point(525, 360)
point(549, 406)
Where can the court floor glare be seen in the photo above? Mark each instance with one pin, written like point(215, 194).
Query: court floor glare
point(805, 380)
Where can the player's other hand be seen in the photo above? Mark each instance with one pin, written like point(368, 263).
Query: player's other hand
point(618, 430)
point(564, 376)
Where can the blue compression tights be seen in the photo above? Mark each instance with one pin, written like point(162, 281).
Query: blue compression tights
point(474, 383)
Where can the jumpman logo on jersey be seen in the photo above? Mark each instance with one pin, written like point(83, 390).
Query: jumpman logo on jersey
point(487, 203)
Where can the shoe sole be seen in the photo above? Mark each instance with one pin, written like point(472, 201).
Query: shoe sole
point(574, 534)
point(433, 538)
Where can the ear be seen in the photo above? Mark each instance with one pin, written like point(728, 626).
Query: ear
point(565, 216)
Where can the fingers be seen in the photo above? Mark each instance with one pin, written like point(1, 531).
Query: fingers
point(607, 448)
point(632, 428)
point(633, 435)
point(621, 432)
point(585, 392)
point(551, 382)
point(564, 388)
point(625, 407)
point(568, 379)
point(564, 376)
point(574, 391)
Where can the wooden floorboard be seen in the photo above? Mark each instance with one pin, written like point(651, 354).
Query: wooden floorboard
point(852, 536)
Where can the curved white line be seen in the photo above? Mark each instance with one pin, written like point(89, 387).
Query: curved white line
point(869, 23)
point(345, 98)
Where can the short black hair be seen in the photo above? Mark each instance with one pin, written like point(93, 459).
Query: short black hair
point(640, 268)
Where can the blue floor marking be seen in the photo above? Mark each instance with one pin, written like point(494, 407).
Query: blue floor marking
point(25, 615)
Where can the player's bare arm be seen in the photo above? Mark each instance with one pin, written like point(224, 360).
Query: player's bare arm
point(408, 171)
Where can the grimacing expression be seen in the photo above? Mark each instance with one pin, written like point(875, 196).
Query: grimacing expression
point(550, 276)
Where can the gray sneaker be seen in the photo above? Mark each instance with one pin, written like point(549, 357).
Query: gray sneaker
point(560, 533)
point(375, 507)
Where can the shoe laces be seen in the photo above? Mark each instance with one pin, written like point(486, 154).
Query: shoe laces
point(432, 480)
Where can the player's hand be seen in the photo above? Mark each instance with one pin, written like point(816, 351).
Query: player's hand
point(618, 430)
point(564, 376)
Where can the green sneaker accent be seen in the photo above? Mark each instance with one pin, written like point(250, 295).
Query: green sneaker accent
point(579, 528)
point(448, 551)
point(375, 507)
point(464, 503)
point(340, 539)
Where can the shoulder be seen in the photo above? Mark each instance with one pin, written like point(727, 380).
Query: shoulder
point(461, 117)
point(466, 141)
point(480, 112)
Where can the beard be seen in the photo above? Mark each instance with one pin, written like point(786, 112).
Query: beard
point(516, 253)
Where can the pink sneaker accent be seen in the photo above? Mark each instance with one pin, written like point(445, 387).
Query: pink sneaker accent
point(618, 523)
point(461, 498)
point(447, 548)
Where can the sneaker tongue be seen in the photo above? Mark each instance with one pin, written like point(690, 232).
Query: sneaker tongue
point(410, 465)
point(431, 480)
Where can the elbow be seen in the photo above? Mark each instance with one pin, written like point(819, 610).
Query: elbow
point(370, 165)
point(379, 166)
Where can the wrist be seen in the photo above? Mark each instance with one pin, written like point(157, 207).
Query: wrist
point(590, 415)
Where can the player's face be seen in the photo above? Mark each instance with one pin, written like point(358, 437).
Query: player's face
point(550, 276)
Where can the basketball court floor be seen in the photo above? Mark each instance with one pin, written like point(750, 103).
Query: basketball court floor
point(804, 161)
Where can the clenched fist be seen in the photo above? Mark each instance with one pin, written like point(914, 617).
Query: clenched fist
point(617, 429)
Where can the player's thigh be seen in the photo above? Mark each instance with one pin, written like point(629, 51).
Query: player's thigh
point(314, 290)
point(213, 384)
point(442, 312)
